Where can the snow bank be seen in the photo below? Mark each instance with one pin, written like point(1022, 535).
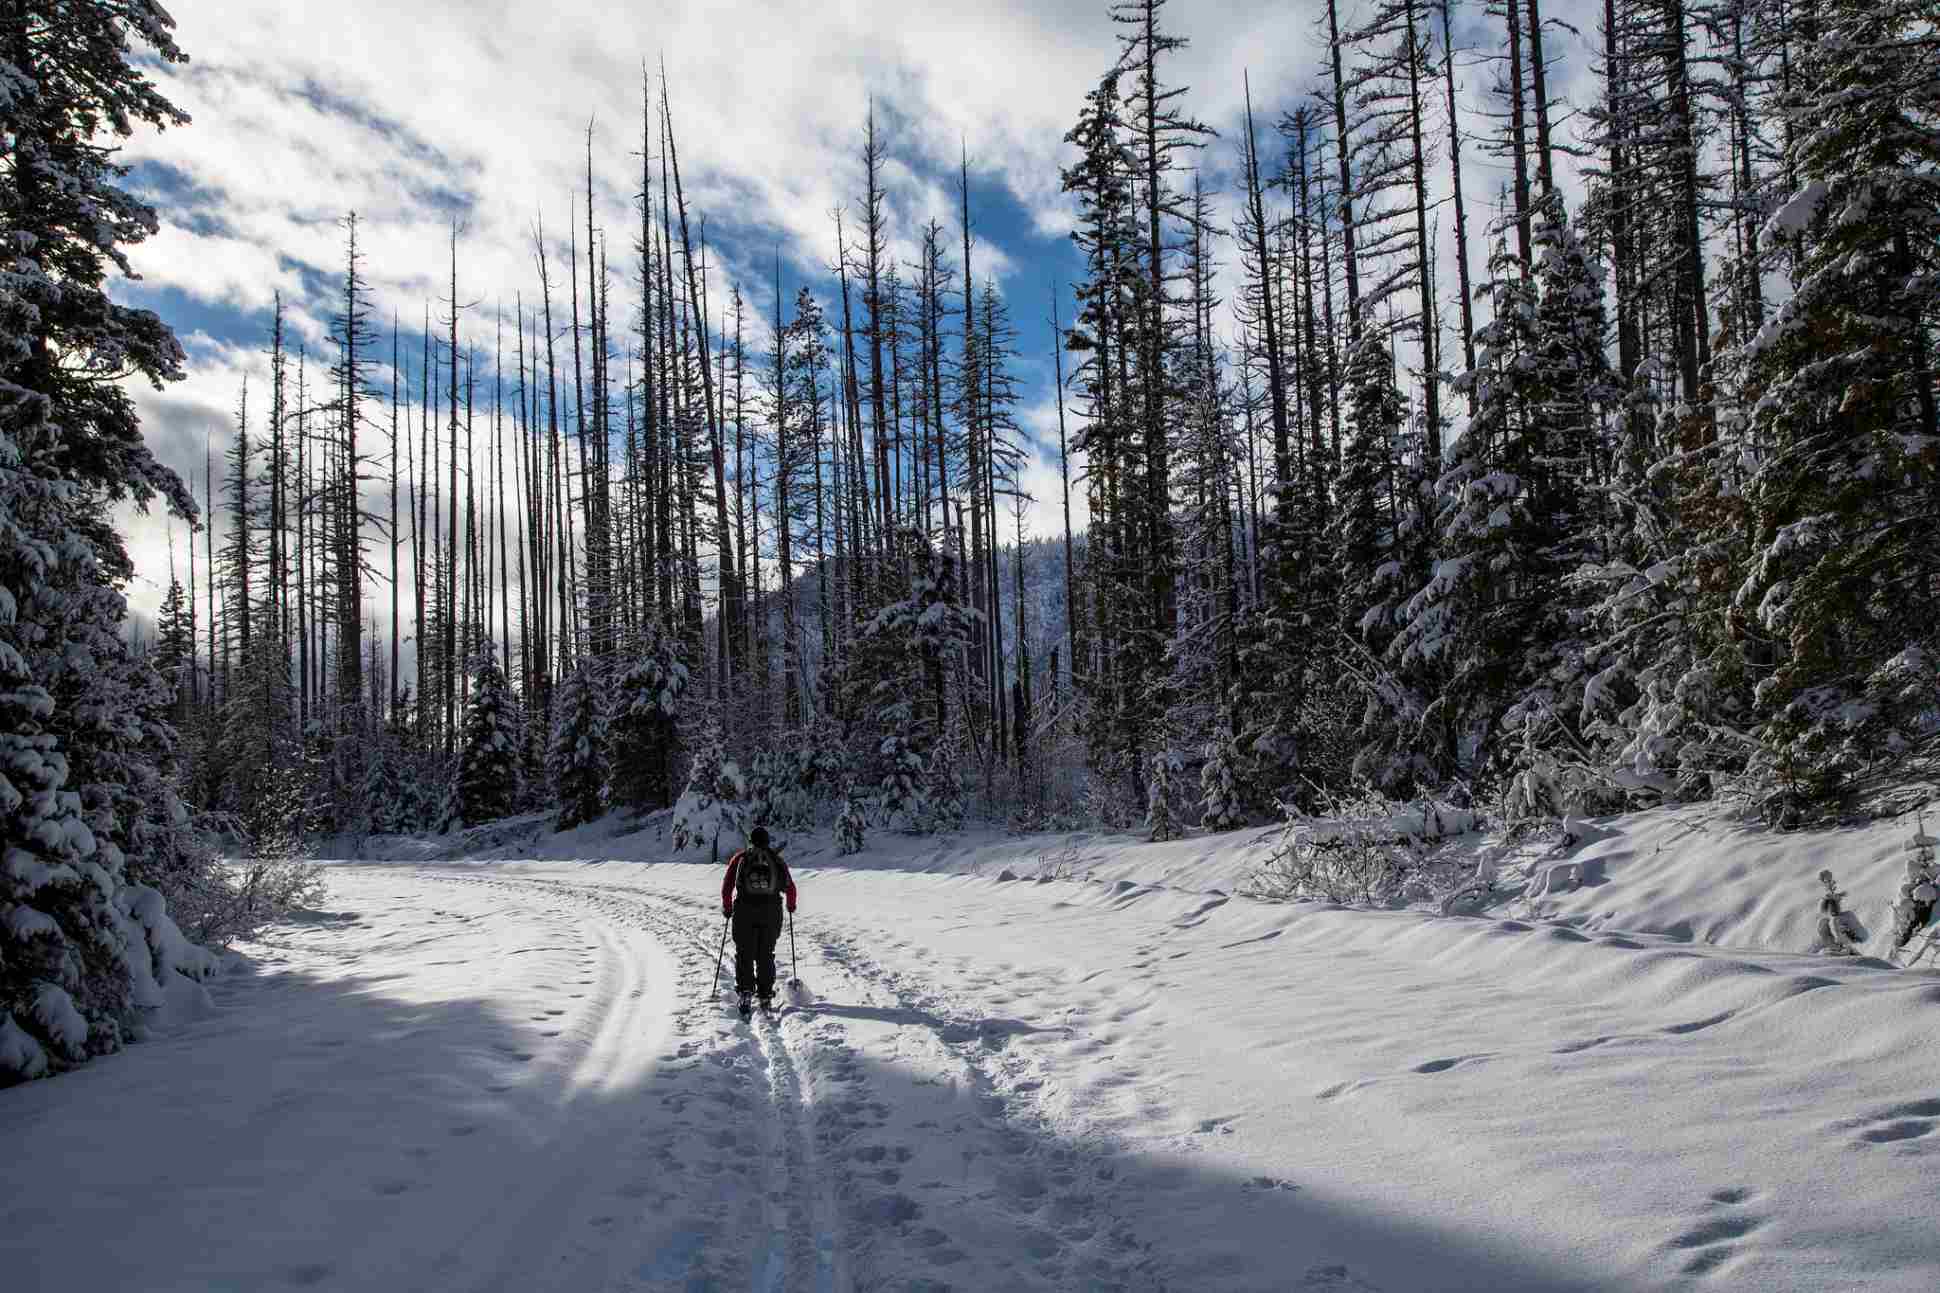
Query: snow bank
point(1696, 872)
point(1701, 874)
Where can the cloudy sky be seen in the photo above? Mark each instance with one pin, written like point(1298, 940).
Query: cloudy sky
point(420, 113)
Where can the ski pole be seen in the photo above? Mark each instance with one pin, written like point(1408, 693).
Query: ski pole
point(794, 960)
point(717, 953)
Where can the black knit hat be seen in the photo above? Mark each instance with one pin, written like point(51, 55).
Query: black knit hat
point(760, 837)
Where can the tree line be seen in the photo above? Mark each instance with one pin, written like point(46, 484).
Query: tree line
point(1641, 510)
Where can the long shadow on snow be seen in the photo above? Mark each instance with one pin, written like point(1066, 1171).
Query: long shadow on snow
point(989, 1031)
point(312, 1132)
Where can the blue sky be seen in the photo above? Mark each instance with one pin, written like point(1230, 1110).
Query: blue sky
point(413, 114)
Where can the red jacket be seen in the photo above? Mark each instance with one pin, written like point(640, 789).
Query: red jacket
point(727, 884)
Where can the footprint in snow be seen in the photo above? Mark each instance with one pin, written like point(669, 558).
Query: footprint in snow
point(1571, 1048)
point(1710, 1241)
point(1895, 1124)
point(1268, 1183)
point(309, 1274)
point(1335, 1277)
point(1697, 1025)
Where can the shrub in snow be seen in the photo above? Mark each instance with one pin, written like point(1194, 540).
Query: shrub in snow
point(1161, 819)
point(641, 720)
point(714, 803)
point(487, 780)
point(850, 824)
point(577, 762)
point(1548, 785)
point(262, 888)
point(1220, 797)
point(1367, 849)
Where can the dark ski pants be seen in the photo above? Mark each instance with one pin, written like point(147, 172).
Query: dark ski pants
point(757, 928)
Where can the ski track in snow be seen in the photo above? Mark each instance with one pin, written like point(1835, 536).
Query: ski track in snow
point(938, 1186)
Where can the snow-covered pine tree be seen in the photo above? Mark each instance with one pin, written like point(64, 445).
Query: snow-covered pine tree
point(1838, 603)
point(486, 783)
point(111, 715)
point(79, 945)
point(385, 797)
point(1161, 817)
point(714, 804)
point(1495, 625)
point(1373, 564)
point(63, 986)
point(851, 824)
point(1104, 336)
point(1160, 130)
point(896, 694)
point(900, 794)
point(174, 656)
point(1663, 696)
point(256, 740)
point(641, 723)
point(1296, 722)
point(1219, 785)
point(578, 764)
point(943, 787)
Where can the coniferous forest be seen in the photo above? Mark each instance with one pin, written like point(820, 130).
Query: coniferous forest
point(1639, 500)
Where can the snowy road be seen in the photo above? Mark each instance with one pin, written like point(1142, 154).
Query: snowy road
point(514, 1077)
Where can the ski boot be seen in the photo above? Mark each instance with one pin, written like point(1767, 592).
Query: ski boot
point(747, 1005)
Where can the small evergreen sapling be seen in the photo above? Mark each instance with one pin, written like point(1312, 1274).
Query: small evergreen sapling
point(1835, 935)
point(577, 762)
point(1913, 909)
point(1221, 798)
point(904, 804)
point(488, 763)
point(849, 826)
point(1160, 817)
point(944, 789)
point(714, 802)
point(641, 726)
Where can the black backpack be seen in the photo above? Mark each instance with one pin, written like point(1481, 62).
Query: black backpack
point(759, 875)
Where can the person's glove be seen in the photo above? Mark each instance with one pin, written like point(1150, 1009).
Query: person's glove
point(791, 906)
point(727, 909)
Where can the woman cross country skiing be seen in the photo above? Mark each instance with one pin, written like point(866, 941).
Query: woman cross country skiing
point(752, 893)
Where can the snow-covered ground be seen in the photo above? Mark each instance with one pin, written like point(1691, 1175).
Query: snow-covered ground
point(1110, 1072)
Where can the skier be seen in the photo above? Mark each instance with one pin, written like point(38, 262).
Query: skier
point(752, 894)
